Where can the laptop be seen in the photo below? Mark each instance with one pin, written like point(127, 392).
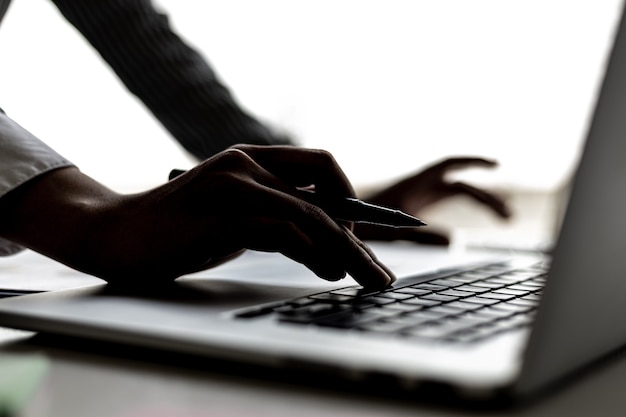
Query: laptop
point(482, 325)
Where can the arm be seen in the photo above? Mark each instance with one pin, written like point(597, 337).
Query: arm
point(243, 198)
point(170, 77)
point(183, 92)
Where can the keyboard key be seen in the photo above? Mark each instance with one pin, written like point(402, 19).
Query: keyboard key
point(439, 297)
point(403, 308)
point(522, 287)
point(463, 306)
point(413, 291)
point(496, 296)
point(532, 297)
point(478, 300)
point(412, 320)
point(396, 295)
point(351, 291)
point(444, 310)
point(441, 329)
point(421, 302)
point(534, 284)
point(430, 314)
point(334, 298)
point(512, 308)
point(472, 288)
point(310, 310)
point(384, 312)
point(455, 293)
point(493, 313)
point(347, 319)
point(478, 319)
point(374, 299)
point(303, 317)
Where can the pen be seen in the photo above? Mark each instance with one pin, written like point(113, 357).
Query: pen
point(354, 210)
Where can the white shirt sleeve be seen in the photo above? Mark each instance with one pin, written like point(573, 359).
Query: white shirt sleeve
point(22, 157)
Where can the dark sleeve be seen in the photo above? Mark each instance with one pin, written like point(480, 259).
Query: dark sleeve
point(171, 78)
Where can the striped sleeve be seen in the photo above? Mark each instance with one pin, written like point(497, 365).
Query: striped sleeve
point(22, 158)
point(172, 79)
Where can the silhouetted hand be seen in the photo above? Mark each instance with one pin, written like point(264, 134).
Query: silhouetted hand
point(416, 192)
point(246, 197)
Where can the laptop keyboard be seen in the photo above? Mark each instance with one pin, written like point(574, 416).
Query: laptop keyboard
point(451, 306)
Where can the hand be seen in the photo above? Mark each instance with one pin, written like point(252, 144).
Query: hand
point(416, 192)
point(246, 197)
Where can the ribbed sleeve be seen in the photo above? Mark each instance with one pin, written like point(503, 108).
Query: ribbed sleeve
point(170, 77)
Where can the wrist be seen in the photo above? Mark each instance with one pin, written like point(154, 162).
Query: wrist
point(56, 214)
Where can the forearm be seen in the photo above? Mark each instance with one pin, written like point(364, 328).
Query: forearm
point(169, 76)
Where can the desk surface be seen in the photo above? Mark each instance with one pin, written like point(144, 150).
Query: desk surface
point(87, 381)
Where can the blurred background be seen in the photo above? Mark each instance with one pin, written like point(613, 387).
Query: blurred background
point(387, 86)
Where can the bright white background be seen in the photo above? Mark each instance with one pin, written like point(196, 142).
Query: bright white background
point(387, 86)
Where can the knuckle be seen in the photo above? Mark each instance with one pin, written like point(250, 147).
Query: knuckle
point(324, 155)
point(231, 158)
point(241, 147)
